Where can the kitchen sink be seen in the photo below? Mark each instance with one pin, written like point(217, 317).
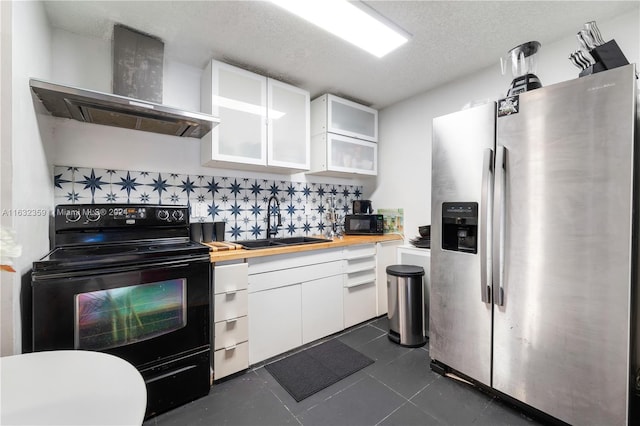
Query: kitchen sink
point(279, 242)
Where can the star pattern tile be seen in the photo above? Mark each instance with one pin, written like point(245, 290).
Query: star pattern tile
point(240, 202)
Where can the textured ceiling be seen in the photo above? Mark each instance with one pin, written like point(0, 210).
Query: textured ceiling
point(450, 38)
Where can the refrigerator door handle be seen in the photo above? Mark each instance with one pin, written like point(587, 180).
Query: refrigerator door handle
point(499, 224)
point(486, 230)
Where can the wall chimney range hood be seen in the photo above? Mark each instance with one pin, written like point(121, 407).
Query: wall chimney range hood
point(120, 111)
point(136, 102)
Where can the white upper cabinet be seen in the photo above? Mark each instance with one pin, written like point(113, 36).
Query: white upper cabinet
point(340, 116)
point(288, 126)
point(239, 98)
point(266, 122)
point(336, 155)
point(343, 137)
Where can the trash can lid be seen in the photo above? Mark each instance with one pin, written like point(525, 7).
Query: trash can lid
point(405, 270)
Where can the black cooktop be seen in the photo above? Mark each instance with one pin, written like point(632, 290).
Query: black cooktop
point(86, 257)
point(95, 236)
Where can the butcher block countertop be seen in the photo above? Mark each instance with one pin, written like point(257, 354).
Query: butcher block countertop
point(223, 251)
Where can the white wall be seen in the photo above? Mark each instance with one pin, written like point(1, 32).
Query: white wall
point(86, 62)
point(404, 170)
point(30, 174)
point(6, 168)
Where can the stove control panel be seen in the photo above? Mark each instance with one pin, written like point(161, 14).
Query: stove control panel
point(103, 216)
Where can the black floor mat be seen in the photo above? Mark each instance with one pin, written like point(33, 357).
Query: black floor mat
point(307, 372)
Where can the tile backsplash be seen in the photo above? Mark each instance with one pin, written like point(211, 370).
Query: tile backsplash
point(240, 202)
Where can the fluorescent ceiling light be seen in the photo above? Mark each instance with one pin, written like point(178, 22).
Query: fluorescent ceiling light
point(245, 107)
point(356, 24)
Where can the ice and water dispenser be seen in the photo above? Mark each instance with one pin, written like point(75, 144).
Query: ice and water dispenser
point(460, 227)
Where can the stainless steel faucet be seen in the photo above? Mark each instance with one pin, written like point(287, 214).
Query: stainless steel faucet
point(273, 233)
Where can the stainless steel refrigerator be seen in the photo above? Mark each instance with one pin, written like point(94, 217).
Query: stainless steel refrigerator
point(534, 249)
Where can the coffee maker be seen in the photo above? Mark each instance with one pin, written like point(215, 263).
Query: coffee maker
point(362, 207)
point(523, 60)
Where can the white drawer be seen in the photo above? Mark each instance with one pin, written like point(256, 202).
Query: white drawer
point(230, 305)
point(362, 250)
point(359, 278)
point(286, 277)
point(259, 265)
point(360, 264)
point(230, 333)
point(231, 360)
point(359, 303)
point(230, 277)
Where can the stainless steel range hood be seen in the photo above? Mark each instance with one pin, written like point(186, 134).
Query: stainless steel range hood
point(120, 111)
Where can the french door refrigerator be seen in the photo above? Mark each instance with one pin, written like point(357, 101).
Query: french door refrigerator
point(534, 247)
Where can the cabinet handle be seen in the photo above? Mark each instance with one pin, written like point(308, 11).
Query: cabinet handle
point(230, 293)
point(230, 348)
point(361, 282)
point(364, 268)
point(362, 256)
point(231, 321)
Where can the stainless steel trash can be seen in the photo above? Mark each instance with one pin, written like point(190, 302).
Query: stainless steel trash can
point(406, 303)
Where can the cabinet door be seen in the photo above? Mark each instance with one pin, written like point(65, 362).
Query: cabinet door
point(359, 299)
point(321, 308)
point(385, 256)
point(288, 126)
point(335, 155)
point(352, 119)
point(275, 322)
point(419, 257)
point(239, 98)
point(352, 155)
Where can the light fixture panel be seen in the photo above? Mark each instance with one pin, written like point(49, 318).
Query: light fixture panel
point(359, 25)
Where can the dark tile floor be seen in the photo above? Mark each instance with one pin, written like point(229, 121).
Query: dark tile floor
point(397, 389)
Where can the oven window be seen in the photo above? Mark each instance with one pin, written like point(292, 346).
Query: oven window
point(110, 318)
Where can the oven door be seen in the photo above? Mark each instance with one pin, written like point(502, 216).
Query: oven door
point(140, 313)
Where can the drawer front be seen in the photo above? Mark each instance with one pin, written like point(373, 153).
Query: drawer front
point(359, 303)
point(259, 265)
point(359, 251)
point(285, 277)
point(230, 305)
point(230, 278)
point(230, 332)
point(360, 278)
point(366, 263)
point(231, 360)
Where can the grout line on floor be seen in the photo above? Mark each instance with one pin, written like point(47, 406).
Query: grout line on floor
point(391, 413)
point(335, 394)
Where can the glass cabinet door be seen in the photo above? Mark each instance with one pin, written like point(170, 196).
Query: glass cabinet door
point(352, 155)
point(288, 114)
point(352, 119)
point(239, 99)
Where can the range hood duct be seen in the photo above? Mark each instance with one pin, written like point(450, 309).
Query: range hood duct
point(91, 106)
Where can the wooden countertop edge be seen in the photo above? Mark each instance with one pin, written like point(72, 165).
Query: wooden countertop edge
point(347, 240)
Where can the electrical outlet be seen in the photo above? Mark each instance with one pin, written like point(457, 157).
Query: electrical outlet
point(200, 209)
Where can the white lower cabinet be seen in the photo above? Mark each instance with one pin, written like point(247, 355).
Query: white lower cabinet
point(360, 294)
point(321, 308)
point(409, 255)
point(294, 299)
point(385, 256)
point(275, 323)
point(230, 360)
point(230, 330)
point(281, 290)
point(359, 303)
